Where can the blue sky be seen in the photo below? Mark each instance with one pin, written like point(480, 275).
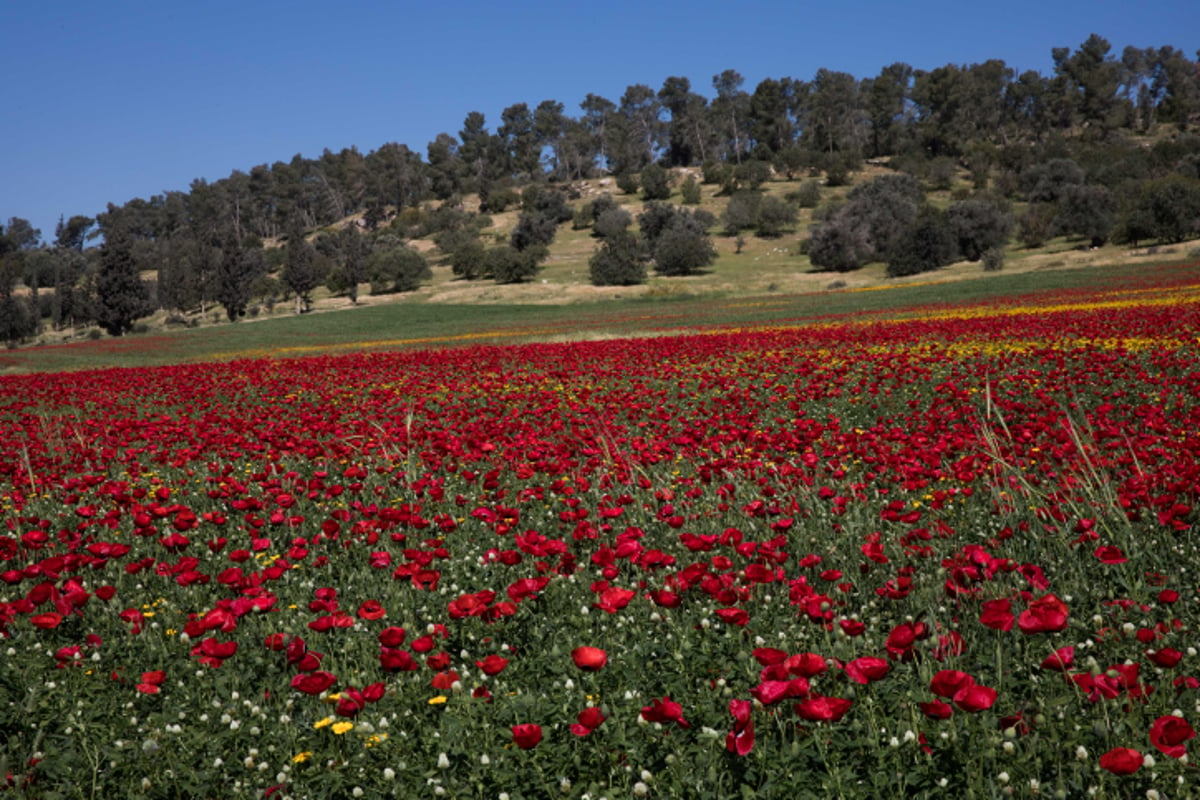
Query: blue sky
point(110, 101)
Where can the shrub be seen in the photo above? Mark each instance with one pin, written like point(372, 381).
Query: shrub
point(690, 192)
point(993, 259)
point(656, 183)
point(618, 261)
point(397, 269)
point(979, 224)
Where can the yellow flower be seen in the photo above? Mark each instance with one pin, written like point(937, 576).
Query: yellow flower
point(300, 758)
point(341, 727)
point(321, 723)
point(375, 739)
point(437, 701)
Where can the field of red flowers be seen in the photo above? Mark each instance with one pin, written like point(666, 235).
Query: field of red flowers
point(953, 554)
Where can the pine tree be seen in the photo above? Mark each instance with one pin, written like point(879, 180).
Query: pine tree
point(121, 295)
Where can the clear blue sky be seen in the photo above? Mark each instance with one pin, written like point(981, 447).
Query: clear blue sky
point(115, 100)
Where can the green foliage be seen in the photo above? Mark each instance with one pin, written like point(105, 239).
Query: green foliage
point(1167, 209)
point(507, 264)
point(233, 279)
point(534, 229)
point(682, 247)
point(840, 243)
point(613, 221)
point(1089, 211)
point(752, 173)
point(930, 243)
point(1036, 223)
point(469, 260)
point(618, 261)
point(656, 183)
point(627, 182)
point(690, 193)
point(741, 212)
point(807, 196)
point(979, 224)
point(774, 217)
point(993, 259)
point(301, 272)
point(121, 296)
point(394, 267)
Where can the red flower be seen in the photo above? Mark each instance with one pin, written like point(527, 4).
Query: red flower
point(975, 698)
point(741, 739)
point(1060, 660)
point(493, 664)
point(823, 709)
point(733, 616)
point(392, 636)
point(313, 682)
point(806, 665)
point(936, 710)
point(1047, 614)
point(948, 681)
point(664, 711)
point(613, 599)
point(370, 610)
point(589, 659)
point(1165, 657)
point(589, 719)
point(867, 669)
point(1122, 761)
point(996, 615)
point(1110, 554)
point(1169, 733)
point(46, 621)
point(527, 736)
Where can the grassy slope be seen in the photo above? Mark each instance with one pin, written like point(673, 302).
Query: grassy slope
point(768, 282)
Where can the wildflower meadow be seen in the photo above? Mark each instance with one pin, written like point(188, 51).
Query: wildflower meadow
point(949, 551)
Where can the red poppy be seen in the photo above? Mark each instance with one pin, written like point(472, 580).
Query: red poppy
point(806, 665)
point(392, 636)
point(947, 682)
point(996, 614)
point(975, 698)
point(867, 669)
point(313, 682)
point(589, 659)
point(46, 621)
point(733, 616)
point(936, 710)
point(823, 709)
point(1061, 659)
point(1165, 657)
point(1168, 734)
point(371, 610)
point(1047, 614)
point(664, 711)
point(1110, 554)
point(1122, 761)
point(493, 664)
point(589, 719)
point(740, 740)
point(527, 736)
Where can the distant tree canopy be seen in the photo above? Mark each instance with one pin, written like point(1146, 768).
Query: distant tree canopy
point(1061, 144)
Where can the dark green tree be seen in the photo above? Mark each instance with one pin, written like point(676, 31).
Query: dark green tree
point(656, 182)
point(301, 271)
point(979, 224)
point(1089, 211)
point(233, 279)
point(121, 296)
point(683, 247)
point(72, 234)
point(930, 243)
point(394, 267)
point(618, 261)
